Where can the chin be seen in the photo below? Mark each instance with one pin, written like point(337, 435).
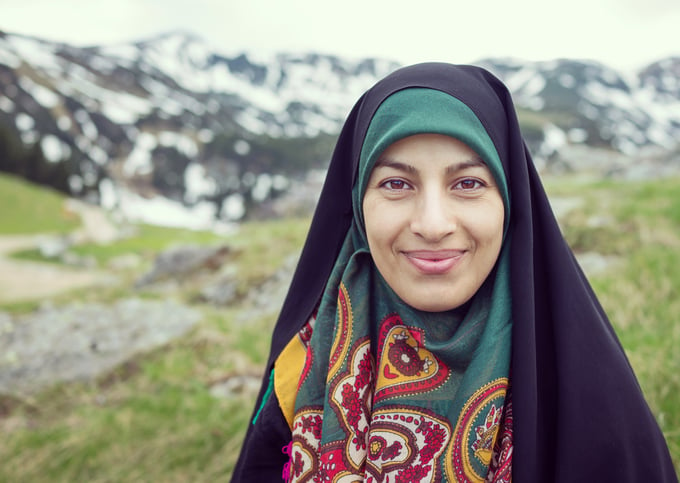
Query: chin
point(431, 303)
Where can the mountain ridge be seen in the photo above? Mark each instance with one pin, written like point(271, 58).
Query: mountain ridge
point(168, 115)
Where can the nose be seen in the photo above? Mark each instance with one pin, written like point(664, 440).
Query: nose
point(434, 217)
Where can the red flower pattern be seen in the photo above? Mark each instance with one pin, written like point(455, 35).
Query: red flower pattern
point(313, 424)
point(391, 451)
point(365, 372)
point(350, 401)
point(412, 474)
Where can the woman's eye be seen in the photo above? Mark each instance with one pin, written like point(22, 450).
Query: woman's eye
point(396, 184)
point(469, 184)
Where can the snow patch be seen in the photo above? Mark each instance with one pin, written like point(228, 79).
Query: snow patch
point(139, 160)
point(87, 127)
point(567, 81)
point(534, 103)
point(534, 86)
point(102, 64)
point(98, 155)
point(262, 187)
point(165, 212)
point(43, 96)
point(159, 210)
point(234, 207)
point(24, 122)
point(6, 104)
point(241, 147)
point(64, 123)
point(8, 58)
point(577, 135)
point(35, 52)
point(181, 142)
point(123, 108)
point(54, 149)
point(554, 139)
point(205, 136)
point(197, 183)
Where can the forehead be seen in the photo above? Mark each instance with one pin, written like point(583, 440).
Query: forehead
point(423, 150)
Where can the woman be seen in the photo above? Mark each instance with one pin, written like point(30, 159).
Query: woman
point(438, 327)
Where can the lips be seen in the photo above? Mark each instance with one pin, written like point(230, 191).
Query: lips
point(434, 262)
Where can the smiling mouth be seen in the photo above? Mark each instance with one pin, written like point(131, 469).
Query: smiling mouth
point(434, 262)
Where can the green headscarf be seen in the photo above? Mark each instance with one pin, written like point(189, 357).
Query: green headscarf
point(389, 390)
point(418, 111)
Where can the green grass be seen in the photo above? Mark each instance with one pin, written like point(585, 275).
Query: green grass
point(30, 209)
point(153, 419)
point(144, 240)
point(641, 291)
point(263, 249)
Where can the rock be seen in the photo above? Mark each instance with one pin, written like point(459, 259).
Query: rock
point(235, 385)
point(53, 246)
point(128, 261)
point(180, 262)
point(298, 199)
point(267, 298)
point(81, 342)
point(594, 263)
point(562, 205)
point(223, 291)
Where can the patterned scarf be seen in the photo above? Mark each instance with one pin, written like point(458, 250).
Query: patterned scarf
point(391, 393)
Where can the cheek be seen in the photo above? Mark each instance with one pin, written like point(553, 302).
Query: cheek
point(377, 232)
point(495, 233)
point(486, 226)
point(493, 228)
point(377, 221)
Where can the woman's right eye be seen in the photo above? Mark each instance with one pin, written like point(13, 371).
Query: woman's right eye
point(396, 184)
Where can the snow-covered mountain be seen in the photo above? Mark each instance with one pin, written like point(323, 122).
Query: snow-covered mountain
point(214, 131)
point(594, 104)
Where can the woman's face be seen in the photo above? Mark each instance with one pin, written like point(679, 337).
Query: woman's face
point(434, 220)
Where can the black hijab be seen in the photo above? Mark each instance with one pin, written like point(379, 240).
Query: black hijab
point(579, 413)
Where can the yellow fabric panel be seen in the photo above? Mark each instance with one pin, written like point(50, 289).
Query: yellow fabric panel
point(287, 370)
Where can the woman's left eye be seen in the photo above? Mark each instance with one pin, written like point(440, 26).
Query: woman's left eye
point(469, 184)
point(396, 184)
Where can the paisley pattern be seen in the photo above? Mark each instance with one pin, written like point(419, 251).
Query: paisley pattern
point(470, 455)
point(373, 436)
point(406, 366)
point(350, 397)
point(343, 333)
point(405, 445)
point(500, 469)
point(304, 462)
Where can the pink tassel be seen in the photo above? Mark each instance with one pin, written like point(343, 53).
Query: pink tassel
point(288, 449)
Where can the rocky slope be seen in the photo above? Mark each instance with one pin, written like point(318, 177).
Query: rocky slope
point(169, 125)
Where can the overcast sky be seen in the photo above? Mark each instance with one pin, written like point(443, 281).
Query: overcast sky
point(624, 34)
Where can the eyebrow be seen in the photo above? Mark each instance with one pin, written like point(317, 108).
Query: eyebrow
point(385, 162)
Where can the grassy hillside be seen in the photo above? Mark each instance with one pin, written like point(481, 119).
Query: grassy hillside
point(27, 208)
point(154, 419)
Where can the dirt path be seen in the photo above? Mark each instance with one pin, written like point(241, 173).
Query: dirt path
point(22, 280)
